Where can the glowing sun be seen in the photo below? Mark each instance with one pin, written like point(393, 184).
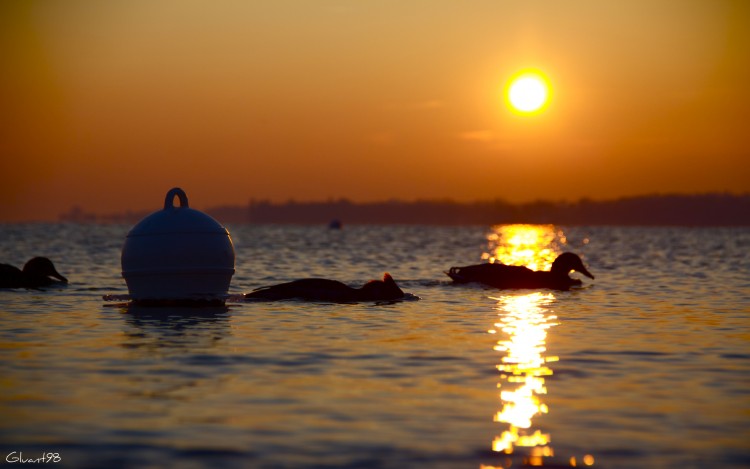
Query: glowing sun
point(528, 92)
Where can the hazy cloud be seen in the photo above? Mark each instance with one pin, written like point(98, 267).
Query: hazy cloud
point(426, 105)
point(484, 136)
point(382, 139)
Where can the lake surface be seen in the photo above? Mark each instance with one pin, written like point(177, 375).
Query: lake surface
point(647, 366)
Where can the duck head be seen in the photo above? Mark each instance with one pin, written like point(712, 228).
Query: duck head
point(568, 261)
point(385, 289)
point(41, 267)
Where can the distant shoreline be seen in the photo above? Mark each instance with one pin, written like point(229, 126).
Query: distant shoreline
point(714, 209)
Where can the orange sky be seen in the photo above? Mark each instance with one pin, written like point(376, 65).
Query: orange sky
point(107, 105)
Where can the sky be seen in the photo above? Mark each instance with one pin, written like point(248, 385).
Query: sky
point(108, 105)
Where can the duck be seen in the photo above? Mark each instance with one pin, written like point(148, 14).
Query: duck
point(37, 272)
point(326, 290)
point(517, 277)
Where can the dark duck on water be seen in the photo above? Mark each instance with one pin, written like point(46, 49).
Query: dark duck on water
point(512, 276)
point(320, 289)
point(38, 272)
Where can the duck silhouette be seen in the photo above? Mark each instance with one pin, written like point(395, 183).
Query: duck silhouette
point(37, 272)
point(512, 276)
point(321, 289)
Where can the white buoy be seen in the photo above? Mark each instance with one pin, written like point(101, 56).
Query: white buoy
point(178, 254)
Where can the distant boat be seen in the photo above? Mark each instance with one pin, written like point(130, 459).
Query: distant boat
point(335, 224)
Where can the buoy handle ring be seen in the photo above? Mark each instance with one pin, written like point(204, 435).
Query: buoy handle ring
point(169, 200)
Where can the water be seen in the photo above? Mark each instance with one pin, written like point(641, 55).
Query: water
point(646, 366)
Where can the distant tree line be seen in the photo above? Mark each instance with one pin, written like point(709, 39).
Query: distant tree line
point(698, 210)
point(715, 209)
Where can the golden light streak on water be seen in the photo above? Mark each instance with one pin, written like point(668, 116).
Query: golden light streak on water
point(533, 246)
point(524, 322)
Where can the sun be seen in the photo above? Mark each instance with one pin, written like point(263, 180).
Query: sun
point(528, 92)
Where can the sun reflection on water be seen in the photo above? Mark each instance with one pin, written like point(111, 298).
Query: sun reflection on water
point(524, 322)
point(533, 246)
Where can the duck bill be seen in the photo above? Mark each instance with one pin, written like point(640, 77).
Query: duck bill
point(585, 272)
point(57, 275)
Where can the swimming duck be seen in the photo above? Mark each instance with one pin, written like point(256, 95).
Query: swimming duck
point(512, 276)
point(36, 273)
point(321, 289)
